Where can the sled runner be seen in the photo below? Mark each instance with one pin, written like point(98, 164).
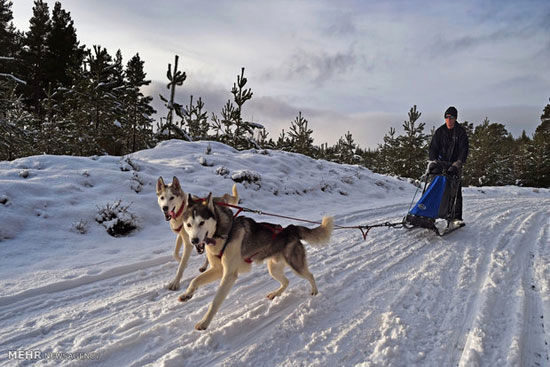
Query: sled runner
point(436, 208)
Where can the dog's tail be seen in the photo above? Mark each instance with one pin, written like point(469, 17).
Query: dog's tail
point(319, 235)
point(232, 199)
point(235, 199)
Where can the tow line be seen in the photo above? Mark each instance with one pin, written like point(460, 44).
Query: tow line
point(363, 228)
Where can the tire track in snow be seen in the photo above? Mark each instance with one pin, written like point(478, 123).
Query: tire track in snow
point(349, 268)
point(83, 280)
point(247, 326)
point(372, 287)
point(473, 275)
point(130, 303)
point(228, 315)
point(534, 349)
point(494, 338)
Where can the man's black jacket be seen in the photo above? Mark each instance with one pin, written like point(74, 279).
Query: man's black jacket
point(449, 145)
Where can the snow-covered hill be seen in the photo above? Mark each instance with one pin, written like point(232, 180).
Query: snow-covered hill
point(480, 296)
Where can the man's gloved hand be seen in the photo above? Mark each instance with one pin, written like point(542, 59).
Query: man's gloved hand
point(434, 167)
point(453, 171)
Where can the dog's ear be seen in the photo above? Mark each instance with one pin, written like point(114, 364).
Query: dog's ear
point(176, 185)
point(210, 202)
point(189, 200)
point(160, 185)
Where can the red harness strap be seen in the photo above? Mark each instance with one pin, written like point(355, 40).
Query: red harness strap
point(239, 209)
point(247, 260)
point(175, 215)
point(274, 229)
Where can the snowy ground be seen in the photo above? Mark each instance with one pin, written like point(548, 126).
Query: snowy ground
point(480, 296)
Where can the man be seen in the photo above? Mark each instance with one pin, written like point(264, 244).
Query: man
point(448, 152)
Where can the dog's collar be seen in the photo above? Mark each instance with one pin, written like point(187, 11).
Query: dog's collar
point(177, 230)
point(175, 215)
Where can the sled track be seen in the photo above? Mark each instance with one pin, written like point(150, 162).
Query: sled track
point(444, 296)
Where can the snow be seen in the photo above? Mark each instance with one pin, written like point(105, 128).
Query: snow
point(256, 125)
point(15, 79)
point(477, 297)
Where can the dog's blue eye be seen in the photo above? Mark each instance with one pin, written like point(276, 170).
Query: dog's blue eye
point(201, 223)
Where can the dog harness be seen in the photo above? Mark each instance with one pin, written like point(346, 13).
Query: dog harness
point(175, 215)
point(274, 229)
point(219, 256)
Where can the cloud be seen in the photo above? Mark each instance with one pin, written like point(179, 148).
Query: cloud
point(340, 25)
point(317, 67)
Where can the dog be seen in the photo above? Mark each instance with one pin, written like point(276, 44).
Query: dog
point(172, 201)
point(232, 244)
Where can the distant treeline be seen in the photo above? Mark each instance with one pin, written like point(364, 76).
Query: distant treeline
point(60, 97)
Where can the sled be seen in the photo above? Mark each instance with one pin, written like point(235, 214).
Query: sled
point(436, 208)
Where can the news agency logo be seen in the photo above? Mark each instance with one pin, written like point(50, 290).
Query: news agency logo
point(24, 354)
point(34, 355)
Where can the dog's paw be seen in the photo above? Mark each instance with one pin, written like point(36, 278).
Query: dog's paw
point(173, 285)
point(202, 325)
point(184, 297)
point(314, 292)
point(271, 296)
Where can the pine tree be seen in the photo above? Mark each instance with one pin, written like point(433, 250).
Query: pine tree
point(283, 142)
point(64, 53)
point(223, 127)
point(490, 160)
point(15, 121)
point(345, 150)
point(243, 135)
point(412, 152)
point(137, 115)
point(321, 152)
point(539, 167)
point(187, 117)
point(166, 130)
point(9, 52)
point(263, 141)
point(231, 129)
point(522, 151)
point(545, 117)
point(98, 103)
point(34, 58)
point(79, 115)
point(388, 152)
point(300, 136)
point(370, 159)
point(50, 138)
point(195, 120)
point(63, 59)
point(200, 126)
point(8, 33)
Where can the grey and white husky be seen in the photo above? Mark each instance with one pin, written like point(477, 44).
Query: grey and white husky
point(232, 244)
point(173, 201)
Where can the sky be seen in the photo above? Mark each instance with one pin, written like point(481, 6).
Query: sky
point(355, 66)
